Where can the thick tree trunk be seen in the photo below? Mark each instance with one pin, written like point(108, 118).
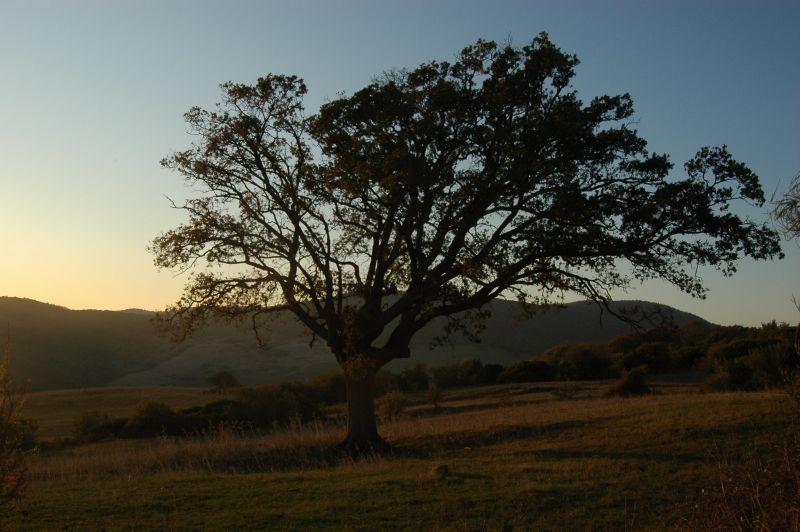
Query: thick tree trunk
point(362, 427)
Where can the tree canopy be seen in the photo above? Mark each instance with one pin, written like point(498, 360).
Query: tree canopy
point(432, 191)
point(787, 209)
point(787, 213)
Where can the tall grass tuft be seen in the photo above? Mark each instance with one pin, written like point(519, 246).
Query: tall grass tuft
point(762, 494)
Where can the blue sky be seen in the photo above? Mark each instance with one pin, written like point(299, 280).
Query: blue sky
point(92, 95)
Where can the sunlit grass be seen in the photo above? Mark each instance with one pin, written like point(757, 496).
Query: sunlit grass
point(517, 458)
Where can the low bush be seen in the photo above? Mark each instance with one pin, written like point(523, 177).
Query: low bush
point(632, 382)
point(628, 342)
point(579, 362)
point(769, 363)
point(730, 375)
point(328, 388)
point(269, 405)
point(762, 367)
point(490, 374)
point(385, 382)
point(414, 379)
point(151, 418)
point(94, 426)
point(468, 372)
point(391, 405)
point(434, 396)
point(567, 391)
point(528, 371)
point(258, 407)
point(222, 381)
point(791, 385)
point(654, 355)
point(686, 357)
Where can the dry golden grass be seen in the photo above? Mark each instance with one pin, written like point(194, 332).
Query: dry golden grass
point(506, 457)
point(220, 450)
point(506, 416)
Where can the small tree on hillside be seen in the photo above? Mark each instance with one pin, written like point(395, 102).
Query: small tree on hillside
point(12, 434)
point(222, 381)
point(787, 212)
point(430, 192)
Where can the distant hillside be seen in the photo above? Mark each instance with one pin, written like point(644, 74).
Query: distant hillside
point(54, 347)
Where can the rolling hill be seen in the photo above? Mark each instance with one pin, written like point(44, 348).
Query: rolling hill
point(55, 347)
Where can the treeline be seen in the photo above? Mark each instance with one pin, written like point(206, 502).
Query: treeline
point(732, 358)
point(248, 408)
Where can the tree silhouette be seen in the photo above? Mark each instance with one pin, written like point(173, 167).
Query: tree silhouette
point(787, 213)
point(430, 192)
point(787, 209)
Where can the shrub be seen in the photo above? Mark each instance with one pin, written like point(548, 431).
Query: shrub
point(223, 381)
point(447, 376)
point(734, 348)
point(94, 426)
point(628, 342)
point(225, 413)
point(768, 364)
point(730, 375)
point(268, 405)
point(528, 371)
point(632, 382)
point(391, 405)
point(762, 367)
point(29, 427)
point(150, 418)
point(686, 357)
point(579, 361)
point(414, 379)
point(328, 388)
point(565, 392)
point(791, 385)
point(468, 372)
point(654, 355)
point(490, 373)
point(385, 382)
point(434, 396)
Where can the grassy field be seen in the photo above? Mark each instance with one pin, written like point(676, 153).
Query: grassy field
point(518, 458)
point(56, 411)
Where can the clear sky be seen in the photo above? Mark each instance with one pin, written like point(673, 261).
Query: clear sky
point(92, 95)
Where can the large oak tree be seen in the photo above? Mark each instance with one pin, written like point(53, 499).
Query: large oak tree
point(432, 191)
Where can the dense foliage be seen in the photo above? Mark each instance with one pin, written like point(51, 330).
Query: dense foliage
point(732, 358)
point(222, 380)
point(429, 193)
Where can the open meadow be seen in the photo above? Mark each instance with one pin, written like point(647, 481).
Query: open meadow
point(431, 266)
point(506, 457)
